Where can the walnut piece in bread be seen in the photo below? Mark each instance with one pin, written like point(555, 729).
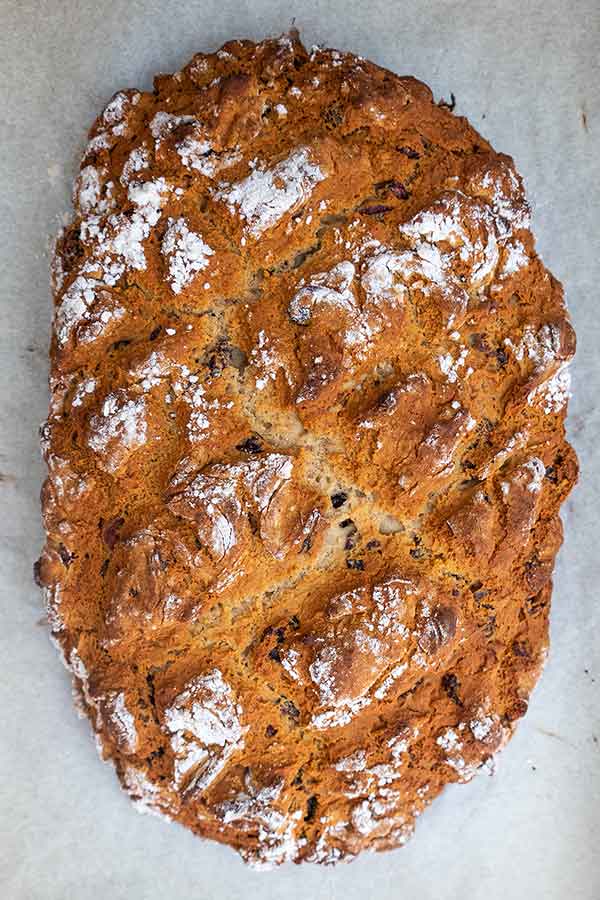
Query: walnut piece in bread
point(306, 449)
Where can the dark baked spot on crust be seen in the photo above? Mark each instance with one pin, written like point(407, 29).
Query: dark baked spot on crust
point(311, 808)
point(290, 710)
point(338, 499)
point(251, 445)
point(451, 685)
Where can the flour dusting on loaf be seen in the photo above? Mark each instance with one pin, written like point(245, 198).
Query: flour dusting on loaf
point(306, 449)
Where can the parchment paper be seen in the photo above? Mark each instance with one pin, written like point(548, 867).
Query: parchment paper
point(527, 75)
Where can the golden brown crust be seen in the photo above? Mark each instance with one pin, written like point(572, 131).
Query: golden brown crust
point(306, 449)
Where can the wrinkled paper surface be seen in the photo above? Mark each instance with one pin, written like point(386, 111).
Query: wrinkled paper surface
point(527, 75)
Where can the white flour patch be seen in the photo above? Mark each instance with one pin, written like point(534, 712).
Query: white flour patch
point(321, 672)
point(186, 252)
point(123, 722)
point(536, 469)
point(114, 118)
point(542, 346)
point(289, 660)
point(194, 154)
point(86, 388)
point(452, 745)
point(277, 840)
point(357, 762)
point(116, 111)
point(89, 189)
point(77, 305)
point(131, 232)
point(152, 371)
point(554, 392)
point(266, 360)
point(164, 123)
point(379, 278)
point(147, 797)
point(138, 159)
point(389, 680)
point(450, 365)
point(266, 195)
point(515, 258)
point(449, 741)
point(204, 722)
point(328, 288)
point(118, 430)
point(518, 439)
point(515, 213)
point(115, 245)
point(341, 714)
point(481, 727)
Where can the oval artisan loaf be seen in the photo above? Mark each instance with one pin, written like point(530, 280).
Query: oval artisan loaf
point(305, 446)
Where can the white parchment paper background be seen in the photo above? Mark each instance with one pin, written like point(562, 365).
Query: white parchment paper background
point(527, 74)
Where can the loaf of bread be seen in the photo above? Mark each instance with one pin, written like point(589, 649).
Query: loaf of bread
point(306, 449)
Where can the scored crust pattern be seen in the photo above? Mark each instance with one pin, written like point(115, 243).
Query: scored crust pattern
point(305, 446)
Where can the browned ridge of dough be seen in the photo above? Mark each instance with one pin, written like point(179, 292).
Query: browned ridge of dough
point(306, 449)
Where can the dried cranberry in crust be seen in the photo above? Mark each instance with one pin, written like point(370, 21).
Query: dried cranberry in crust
point(377, 209)
point(290, 710)
point(394, 187)
point(110, 533)
point(521, 648)
point(409, 152)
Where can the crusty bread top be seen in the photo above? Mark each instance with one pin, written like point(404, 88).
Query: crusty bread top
point(306, 448)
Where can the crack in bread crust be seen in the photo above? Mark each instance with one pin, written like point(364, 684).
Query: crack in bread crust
point(305, 446)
